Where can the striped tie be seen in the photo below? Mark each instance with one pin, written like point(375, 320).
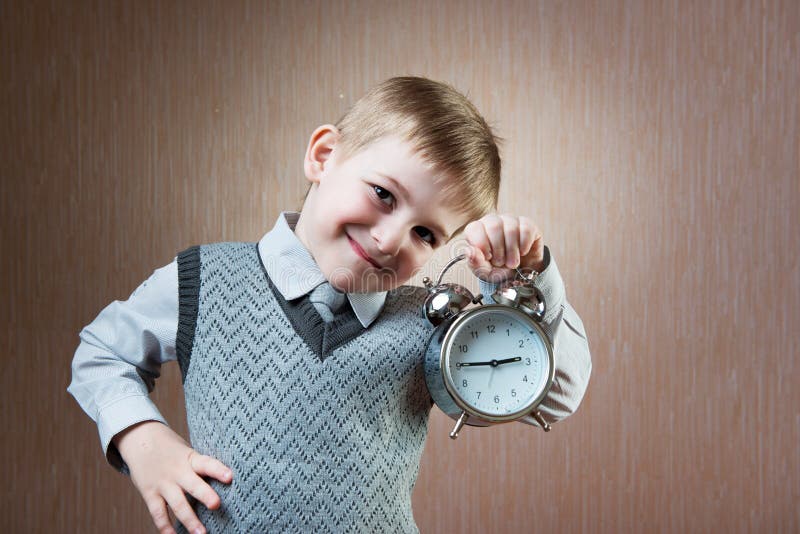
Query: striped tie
point(326, 300)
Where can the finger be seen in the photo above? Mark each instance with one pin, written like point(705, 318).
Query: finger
point(201, 490)
point(475, 233)
point(537, 249)
point(158, 511)
point(209, 466)
point(476, 259)
point(511, 236)
point(493, 226)
point(531, 243)
point(531, 239)
point(527, 234)
point(183, 511)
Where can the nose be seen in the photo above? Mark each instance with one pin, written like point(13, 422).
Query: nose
point(388, 238)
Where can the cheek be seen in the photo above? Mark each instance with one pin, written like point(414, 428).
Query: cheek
point(414, 262)
point(351, 208)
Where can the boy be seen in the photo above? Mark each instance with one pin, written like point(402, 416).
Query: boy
point(301, 355)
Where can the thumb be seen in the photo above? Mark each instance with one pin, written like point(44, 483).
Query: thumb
point(475, 257)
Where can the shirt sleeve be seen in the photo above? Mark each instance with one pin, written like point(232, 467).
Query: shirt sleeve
point(120, 356)
point(570, 345)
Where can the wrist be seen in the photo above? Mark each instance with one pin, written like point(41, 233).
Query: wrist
point(137, 437)
point(539, 265)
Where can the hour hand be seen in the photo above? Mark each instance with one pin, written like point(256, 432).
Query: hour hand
point(493, 363)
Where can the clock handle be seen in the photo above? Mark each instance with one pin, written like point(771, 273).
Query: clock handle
point(449, 264)
point(459, 425)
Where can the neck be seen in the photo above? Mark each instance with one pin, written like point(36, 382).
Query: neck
point(300, 232)
point(300, 228)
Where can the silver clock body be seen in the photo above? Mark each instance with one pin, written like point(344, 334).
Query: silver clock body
point(474, 345)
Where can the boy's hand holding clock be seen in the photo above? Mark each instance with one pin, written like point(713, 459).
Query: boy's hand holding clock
point(501, 244)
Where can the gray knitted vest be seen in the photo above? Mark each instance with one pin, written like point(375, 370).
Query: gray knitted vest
point(323, 424)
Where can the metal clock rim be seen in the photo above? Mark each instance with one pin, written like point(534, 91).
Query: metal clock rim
point(444, 368)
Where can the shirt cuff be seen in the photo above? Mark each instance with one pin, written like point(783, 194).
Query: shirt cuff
point(119, 415)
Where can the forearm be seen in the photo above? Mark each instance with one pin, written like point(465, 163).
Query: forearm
point(120, 355)
point(573, 366)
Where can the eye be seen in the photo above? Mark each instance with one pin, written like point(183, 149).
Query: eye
point(425, 234)
point(383, 195)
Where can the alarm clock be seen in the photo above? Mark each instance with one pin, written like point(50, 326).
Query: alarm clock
point(489, 363)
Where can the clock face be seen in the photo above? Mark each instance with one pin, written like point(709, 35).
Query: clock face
point(496, 359)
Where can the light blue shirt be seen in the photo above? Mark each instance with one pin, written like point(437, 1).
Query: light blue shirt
point(122, 350)
point(139, 333)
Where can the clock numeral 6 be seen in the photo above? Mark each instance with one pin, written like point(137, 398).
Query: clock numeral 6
point(496, 399)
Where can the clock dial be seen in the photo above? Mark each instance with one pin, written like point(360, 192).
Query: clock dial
point(497, 361)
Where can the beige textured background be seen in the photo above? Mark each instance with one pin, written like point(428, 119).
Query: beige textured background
point(655, 142)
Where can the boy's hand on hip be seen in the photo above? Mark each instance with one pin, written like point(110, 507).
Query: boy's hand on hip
point(164, 468)
point(502, 243)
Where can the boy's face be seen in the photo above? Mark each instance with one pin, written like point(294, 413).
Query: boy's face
point(372, 220)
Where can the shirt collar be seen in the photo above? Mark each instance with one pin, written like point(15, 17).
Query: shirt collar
point(295, 273)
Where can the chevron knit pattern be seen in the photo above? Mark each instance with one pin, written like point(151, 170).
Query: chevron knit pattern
point(315, 444)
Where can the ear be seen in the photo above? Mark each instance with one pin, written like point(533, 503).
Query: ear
point(319, 151)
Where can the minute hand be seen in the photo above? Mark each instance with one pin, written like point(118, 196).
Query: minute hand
point(493, 363)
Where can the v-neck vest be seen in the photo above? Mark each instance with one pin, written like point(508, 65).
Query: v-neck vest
point(323, 424)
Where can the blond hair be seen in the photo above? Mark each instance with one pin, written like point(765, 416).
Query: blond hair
point(444, 127)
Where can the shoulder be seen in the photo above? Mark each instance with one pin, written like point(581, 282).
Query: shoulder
point(406, 301)
point(407, 295)
point(215, 260)
point(209, 251)
point(225, 246)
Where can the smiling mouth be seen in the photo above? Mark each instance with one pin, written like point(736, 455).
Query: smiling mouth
point(361, 253)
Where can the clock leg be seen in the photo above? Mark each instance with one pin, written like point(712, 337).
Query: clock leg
point(539, 419)
point(459, 425)
point(535, 419)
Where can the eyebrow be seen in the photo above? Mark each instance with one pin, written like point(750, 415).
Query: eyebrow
point(404, 193)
